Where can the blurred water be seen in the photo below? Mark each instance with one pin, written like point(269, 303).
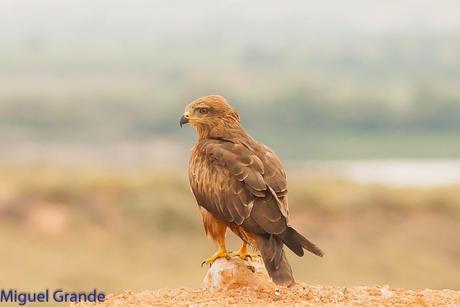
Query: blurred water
point(391, 172)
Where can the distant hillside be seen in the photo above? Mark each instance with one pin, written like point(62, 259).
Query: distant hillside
point(384, 96)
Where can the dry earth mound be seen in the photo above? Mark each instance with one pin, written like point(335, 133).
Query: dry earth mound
point(245, 283)
point(299, 295)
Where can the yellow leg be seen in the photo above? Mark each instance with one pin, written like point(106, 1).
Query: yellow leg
point(243, 252)
point(221, 252)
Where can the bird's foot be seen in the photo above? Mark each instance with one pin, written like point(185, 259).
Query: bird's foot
point(221, 253)
point(244, 254)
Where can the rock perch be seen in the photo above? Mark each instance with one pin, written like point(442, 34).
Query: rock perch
point(235, 272)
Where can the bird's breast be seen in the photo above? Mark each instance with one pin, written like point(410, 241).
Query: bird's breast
point(199, 171)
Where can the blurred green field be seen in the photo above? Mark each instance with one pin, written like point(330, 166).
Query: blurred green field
point(358, 96)
point(116, 229)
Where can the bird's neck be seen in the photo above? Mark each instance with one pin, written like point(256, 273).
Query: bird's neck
point(228, 129)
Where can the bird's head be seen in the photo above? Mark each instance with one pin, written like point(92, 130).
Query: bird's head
point(209, 113)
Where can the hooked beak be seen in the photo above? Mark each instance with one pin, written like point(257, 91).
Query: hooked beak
point(183, 120)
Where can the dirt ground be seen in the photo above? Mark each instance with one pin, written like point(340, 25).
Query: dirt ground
point(299, 295)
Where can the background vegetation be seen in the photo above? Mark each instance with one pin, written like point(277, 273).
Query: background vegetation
point(359, 99)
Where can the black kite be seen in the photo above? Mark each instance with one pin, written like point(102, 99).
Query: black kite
point(241, 184)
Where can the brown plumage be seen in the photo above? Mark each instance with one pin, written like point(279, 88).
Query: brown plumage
point(241, 184)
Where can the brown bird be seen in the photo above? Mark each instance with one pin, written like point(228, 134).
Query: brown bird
point(240, 184)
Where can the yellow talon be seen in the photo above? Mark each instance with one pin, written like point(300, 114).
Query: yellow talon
point(243, 252)
point(221, 253)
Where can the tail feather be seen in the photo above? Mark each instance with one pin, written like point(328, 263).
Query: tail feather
point(296, 242)
point(271, 249)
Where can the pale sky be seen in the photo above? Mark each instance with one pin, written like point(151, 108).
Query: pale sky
point(145, 21)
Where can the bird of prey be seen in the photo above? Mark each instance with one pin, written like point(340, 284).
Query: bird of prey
point(240, 184)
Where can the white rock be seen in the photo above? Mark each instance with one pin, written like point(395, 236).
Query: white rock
point(236, 272)
point(386, 292)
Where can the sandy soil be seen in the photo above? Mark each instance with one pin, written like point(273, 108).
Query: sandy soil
point(299, 295)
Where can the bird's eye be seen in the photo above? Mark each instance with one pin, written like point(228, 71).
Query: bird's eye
point(203, 110)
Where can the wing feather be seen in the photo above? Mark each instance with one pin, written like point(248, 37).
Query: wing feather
point(240, 184)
